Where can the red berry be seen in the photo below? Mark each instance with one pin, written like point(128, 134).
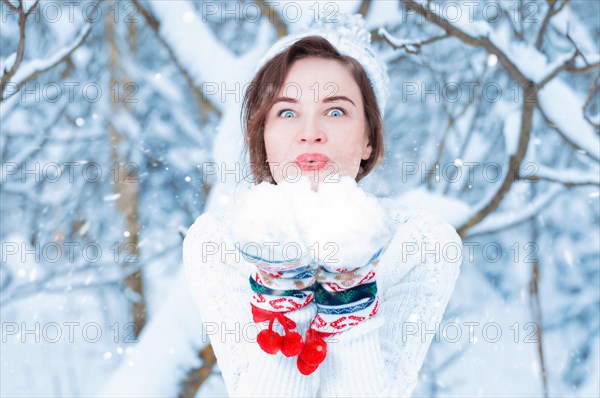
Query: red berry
point(292, 344)
point(270, 341)
point(305, 368)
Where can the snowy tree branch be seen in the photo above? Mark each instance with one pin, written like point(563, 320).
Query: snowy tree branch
point(7, 74)
point(588, 101)
point(569, 64)
point(11, 6)
point(410, 46)
point(484, 42)
point(566, 136)
point(561, 68)
point(36, 67)
point(568, 178)
point(506, 220)
point(530, 92)
point(155, 25)
point(552, 11)
point(363, 9)
point(584, 69)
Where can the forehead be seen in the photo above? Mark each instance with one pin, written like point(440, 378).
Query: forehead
point(325, 75)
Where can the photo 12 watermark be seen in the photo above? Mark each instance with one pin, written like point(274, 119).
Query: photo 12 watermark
point(457, 171)
point(412, 331)
point(70, 252)
point(73, 91)
point(57, 12)
point(66, 331)
point(425, 252)
point(71, 172)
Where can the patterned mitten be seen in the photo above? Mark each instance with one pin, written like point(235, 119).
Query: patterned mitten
point(219, 284)
point(283, 275)
point(347, 231)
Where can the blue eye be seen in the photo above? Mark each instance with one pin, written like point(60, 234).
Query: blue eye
point(286, 113)
point(340, 111)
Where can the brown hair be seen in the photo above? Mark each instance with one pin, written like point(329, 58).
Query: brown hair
point(267, 82)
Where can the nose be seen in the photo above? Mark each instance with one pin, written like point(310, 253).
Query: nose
point(312, 131)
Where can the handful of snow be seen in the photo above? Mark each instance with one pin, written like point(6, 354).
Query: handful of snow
point(339, 226)
point(264, 221)
point(343, 226)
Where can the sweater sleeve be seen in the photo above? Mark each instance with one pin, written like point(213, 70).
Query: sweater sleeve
point(209, 279)
point(219, 281)
point(417, 276)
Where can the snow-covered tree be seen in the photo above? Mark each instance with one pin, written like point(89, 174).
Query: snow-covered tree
point(119, 118)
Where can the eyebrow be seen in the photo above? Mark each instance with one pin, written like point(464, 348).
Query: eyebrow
point(325, 100)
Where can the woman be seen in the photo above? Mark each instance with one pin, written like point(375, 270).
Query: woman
point(352, 321)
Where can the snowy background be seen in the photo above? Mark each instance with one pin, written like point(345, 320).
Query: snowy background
point(119, 120)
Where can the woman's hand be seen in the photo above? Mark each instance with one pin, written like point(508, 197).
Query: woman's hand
point(263, 227)
point(343, 226)
point(263, 222)
point(348, 231)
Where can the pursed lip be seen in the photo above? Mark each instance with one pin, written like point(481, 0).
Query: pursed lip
point(312, 161)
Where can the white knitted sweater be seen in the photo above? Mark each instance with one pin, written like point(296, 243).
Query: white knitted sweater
point(379, 357)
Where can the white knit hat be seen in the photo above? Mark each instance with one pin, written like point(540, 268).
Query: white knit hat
point(350, 36)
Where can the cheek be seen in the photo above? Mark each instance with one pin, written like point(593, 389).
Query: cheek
point(268, 138)
point(273, 145)
point(350, 146)
point(347, 153)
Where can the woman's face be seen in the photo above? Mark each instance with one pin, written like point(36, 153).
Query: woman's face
point(317, 126)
